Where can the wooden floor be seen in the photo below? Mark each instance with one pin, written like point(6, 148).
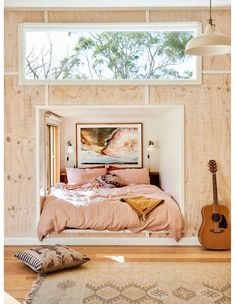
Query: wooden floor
point(18, 278)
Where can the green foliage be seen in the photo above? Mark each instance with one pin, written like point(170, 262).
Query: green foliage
point(122, 55)
point(132, 55)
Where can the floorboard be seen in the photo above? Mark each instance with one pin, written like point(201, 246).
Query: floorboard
point(18, 278)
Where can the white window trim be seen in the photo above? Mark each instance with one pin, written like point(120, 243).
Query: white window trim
point(150, 26)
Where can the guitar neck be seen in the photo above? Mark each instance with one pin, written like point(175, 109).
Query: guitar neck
point(214, 183)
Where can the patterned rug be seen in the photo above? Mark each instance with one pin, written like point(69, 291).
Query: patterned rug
point(135, 283)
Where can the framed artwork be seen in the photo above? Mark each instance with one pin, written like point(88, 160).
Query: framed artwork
point(109, 144)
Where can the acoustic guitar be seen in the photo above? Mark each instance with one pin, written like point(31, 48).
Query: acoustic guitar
point(215, 232)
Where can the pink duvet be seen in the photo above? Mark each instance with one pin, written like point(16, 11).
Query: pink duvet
point(101, 209)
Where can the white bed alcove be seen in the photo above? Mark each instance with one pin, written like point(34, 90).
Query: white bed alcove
point(163, 124)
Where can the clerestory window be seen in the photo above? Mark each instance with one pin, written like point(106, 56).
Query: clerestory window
point(108, 53)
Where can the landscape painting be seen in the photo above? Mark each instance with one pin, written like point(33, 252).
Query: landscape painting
point(109, 144)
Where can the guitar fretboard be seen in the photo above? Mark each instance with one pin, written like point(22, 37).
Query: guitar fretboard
point(215, 195)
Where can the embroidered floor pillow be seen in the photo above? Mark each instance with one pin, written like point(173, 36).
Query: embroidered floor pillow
point(51, 258)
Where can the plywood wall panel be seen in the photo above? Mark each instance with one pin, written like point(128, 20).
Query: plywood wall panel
point(19, 164)
point(221, 62)
point(97, 16)
point(96, 95)
point(223, 24)
point(207, 116)
point(20, 104)
point(207, 136)
point(19, 185)
point(222, 18)
point(11, 20)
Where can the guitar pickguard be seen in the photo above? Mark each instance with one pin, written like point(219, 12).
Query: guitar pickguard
point(223, 222)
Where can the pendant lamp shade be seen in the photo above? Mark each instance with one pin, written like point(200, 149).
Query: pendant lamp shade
point(210, 43)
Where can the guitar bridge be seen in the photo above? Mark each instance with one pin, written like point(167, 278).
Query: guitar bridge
point(217, 230)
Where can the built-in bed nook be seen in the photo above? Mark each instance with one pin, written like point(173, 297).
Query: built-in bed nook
point(63, 146)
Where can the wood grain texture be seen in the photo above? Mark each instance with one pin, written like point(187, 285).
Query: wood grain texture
point(19, 278)
point(207, 117)
point(222, 19)
point(11, 21)
point(19, 145)
point(97, 16)
point(96, 94)
point(207, 136)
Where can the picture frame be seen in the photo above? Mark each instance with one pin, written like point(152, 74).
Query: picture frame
point(109, 144)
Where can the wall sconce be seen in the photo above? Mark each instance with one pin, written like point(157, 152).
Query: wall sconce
point(70, 150)
point(150, 148)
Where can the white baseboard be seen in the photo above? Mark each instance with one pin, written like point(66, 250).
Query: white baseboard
point(103, 241)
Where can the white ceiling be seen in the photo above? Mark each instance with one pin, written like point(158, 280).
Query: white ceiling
point(21, 4)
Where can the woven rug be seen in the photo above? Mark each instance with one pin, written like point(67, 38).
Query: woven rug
point(135, 283)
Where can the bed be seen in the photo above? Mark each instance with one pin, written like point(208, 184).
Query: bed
point(93, 205)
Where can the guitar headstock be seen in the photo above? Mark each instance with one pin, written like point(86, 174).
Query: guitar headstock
point(212, 166)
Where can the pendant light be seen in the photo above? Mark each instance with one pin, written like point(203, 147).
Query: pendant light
point(210, 43)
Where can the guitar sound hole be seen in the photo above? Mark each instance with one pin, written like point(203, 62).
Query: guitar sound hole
point(216, 217)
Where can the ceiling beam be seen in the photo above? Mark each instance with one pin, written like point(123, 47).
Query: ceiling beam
point(90, 4)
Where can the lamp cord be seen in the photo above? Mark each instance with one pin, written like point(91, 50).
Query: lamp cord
point(210, 20)
point(148, 156)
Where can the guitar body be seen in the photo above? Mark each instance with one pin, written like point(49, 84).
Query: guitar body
point(215, 231)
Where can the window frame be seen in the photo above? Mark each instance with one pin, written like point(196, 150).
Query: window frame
point(150, 26)
point(52, 153)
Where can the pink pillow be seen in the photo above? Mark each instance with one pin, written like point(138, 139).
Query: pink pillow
point(134, 176)
point(83, 176)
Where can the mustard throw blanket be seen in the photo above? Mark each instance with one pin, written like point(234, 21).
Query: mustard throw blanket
point(141, 204)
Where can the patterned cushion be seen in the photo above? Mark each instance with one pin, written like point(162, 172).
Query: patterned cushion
point(51, 258)
point(111, 181)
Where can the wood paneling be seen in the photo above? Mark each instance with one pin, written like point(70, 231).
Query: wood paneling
point(97, 16)
point(96, 95)
point(222, 20)
point(207, 116)
point(19, 144)
point(19, 278)
point(12, 19)
point(207, 136)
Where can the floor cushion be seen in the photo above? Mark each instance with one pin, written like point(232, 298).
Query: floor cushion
point(50, 258)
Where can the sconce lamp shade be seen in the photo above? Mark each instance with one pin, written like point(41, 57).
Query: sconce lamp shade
point(151, 146)
point(70, 148)
point(210, 43)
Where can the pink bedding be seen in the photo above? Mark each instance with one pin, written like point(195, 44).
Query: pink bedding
point(101, 209)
